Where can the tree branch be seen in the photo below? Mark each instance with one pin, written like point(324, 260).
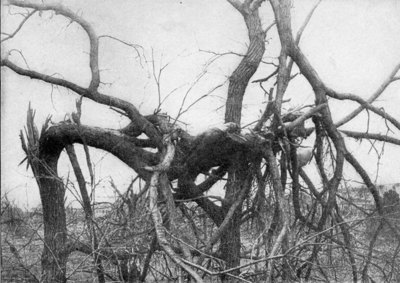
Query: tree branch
point(283, 19)
point(19, 26)
point(66, 12)
point(391, 78)
point(240, 78)
point(127, 107)
point(367, 180)
point(156, 214)
point(237, 4)
point(306, 21)
point(364, 104)
point(373, 136)
point(228, 217)
point(58, 136)
point(290, 126)
point(87, 209)
point(281, 202)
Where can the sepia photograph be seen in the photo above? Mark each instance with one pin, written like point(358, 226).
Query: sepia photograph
point(200, 141)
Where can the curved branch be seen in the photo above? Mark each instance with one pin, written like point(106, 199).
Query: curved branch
point(290, 126)
point(310, 184)
point(19, 26)
point(228, 217)
point(306, 21)
point(164, 165)
point(391, 78)
point(283, 19)
point(240, 78)
point(155, 184)
point(142, 123)
point(57, 137)
point(62, 10)
point(87, 209)
point(364, 104)
point(367, 180)
point(43, 77)
point(237, 4)
point(285, 68)
point(281, 202)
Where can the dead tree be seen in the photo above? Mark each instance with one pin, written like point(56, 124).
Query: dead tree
point(160, 153)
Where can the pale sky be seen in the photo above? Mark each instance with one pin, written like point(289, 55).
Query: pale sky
point(352, 44)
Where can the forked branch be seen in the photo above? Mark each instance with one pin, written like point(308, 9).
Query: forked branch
point(87, 27)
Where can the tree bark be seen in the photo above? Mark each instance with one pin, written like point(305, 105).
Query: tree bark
point(43, 161)
point(238, 81)
point(52, 192)
point(230, 239)
point(240, 78)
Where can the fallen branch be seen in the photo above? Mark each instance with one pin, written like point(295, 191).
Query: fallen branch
point(155, 212)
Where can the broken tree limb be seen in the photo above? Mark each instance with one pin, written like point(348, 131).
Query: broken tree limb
point(156, 216)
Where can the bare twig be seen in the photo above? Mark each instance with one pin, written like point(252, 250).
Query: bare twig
point(266, 78)
point(306, 21)
point(87, 209)
point(19, 26)
point(136, 47)
point(391, 78)
point(200, 98)
point(224, 225)
point(364, 104)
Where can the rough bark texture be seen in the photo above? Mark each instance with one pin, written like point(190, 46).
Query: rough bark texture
point(230, 239)
point(43, 161)
point(238, 81)
point(52, 192)
point(170, 161)
point(240, 78)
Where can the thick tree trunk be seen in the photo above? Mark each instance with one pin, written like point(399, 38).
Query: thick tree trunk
point(43, 154)
point(230, 240)
point(240, 78)
point(43, 158)
point(52, 192)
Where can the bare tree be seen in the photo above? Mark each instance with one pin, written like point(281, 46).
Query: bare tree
point(298, 225)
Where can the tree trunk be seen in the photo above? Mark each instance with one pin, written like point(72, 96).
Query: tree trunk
point(230, 240)
point(43, 158)
point(240, 78)
point(230, 243)
point(54, 256)
point(43, 154)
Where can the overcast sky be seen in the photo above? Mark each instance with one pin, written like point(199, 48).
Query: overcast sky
point(353, 45)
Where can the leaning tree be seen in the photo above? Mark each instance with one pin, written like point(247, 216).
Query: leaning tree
point(296, 218)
